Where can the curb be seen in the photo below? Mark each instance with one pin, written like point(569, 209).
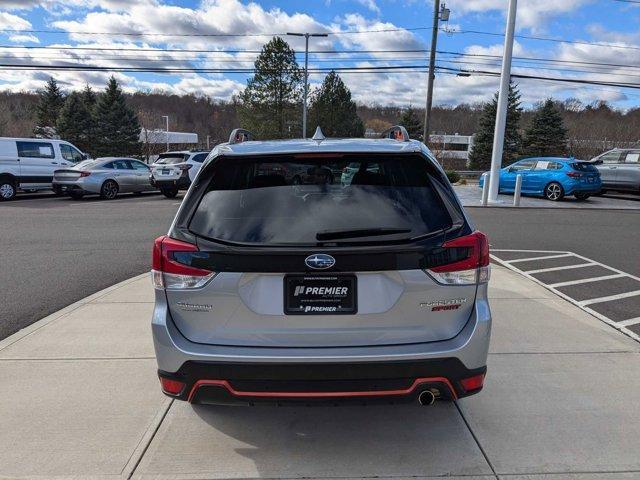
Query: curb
point(37, 325)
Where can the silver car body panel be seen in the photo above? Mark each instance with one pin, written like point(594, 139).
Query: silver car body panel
point(246, 309)
point(470, 345)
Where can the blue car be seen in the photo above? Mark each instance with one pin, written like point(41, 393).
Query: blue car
point(551, 177)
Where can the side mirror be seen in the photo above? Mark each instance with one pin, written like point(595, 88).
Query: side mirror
point(85, 156)
point(511, 170)
point(598, 162)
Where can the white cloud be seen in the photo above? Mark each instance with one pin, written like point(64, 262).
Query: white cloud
point(24, 38)
point(533, 14)
point(370, 4)
point(9, 21)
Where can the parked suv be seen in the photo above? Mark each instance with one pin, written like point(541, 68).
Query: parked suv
point(619, 170)
point(268, 290)
point(28, 163)
point(174, 171)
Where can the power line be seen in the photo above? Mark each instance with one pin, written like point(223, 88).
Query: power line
point(548, 39)
point(160, 50)
point(162, 34)
point(539, 77)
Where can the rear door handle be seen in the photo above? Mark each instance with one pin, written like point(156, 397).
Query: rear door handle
point(54, 163)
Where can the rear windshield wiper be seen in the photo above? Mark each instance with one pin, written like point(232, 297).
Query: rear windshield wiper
point(358, 232)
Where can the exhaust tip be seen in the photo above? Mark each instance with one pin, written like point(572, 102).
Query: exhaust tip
point(426, 397)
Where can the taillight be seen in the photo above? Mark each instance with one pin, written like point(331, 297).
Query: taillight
point(85, 174)
point(168, 273)
point(185, 167)
point(472, 383)
point(171, 387)
point(574, 174)
point(473, 268)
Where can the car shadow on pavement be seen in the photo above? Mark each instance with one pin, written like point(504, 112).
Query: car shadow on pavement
point(340, 441)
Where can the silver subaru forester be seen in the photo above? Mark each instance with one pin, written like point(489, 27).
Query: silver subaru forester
point(282, 282)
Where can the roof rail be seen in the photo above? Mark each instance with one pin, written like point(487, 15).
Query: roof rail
point(397, 132)
point(240, 135)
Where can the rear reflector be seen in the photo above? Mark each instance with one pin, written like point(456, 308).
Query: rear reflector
point(472, 383)
point(471, 269)
point(574, 174)
point(171, 387)
point(167, 272)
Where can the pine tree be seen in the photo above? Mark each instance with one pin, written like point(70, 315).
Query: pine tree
point(270, 105)
point(412, 122)
point(333, 110)
point(480, 156)
point(117, 128)
point(546, 136)
point(89, 97)
point(75, 122)
point(49, 104)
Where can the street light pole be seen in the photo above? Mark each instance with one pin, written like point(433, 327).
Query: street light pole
point(306, 74)
point(503, 103)
point(166, 117)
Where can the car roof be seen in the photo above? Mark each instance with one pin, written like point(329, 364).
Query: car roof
point(266, 147)
point(24, 139)
point(106, 159)
point(184, 152)
point(554, 159)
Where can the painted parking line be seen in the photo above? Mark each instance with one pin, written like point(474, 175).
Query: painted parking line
point(610, 298)
point(631, 321)
point(556, 269)
point(545, 257)
point(611, 309)
point(587, 280)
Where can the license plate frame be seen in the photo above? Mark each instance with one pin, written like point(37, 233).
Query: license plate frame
point(327, 302)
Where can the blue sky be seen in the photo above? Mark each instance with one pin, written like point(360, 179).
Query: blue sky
point(604, 32)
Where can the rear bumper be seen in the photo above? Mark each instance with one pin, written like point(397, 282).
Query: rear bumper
point(373, 382)
point(181, 183)
point(590, 188)
point(227, 374)
point(75, 186)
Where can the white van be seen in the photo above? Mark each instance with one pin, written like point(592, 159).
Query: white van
point(28, 163)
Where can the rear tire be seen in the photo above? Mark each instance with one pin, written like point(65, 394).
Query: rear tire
point(170, 192)
point(76, 195)
point(7, 189)
point(554, 192)
point(109, 190)
point(581, 196)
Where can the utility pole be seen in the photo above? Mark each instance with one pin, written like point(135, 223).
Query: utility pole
point(503, 103)
point(306, 74)
point(166, 117)
point(438, 14)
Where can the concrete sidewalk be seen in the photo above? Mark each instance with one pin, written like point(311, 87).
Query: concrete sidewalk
point(471, 196)
point(80, 399)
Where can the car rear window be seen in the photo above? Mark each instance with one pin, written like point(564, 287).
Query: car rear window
point(584, 167)
point(170, 159)
point(302, 200)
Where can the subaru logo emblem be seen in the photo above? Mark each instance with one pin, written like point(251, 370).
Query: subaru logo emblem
point(320, 261)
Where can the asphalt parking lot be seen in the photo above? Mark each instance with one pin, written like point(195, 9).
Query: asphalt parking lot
point(57, 250)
